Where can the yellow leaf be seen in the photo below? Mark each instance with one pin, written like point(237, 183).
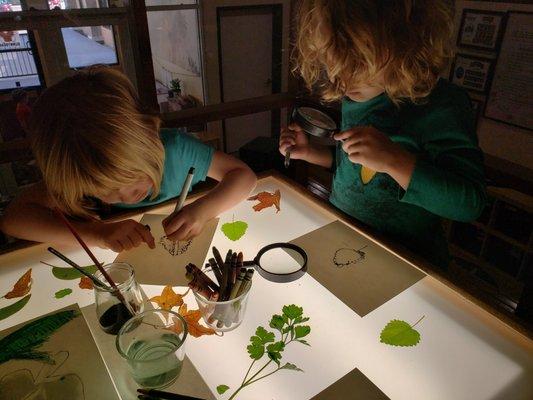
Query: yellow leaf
point(267, 199)
point(22, 286)
point(193, 322)
point(367, 174)
point(168, 299)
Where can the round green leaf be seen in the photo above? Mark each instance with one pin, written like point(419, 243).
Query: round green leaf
point(399, 333)
point(234, 230)
point(221, 389)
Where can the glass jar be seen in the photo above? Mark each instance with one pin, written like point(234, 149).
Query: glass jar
point(112, 313)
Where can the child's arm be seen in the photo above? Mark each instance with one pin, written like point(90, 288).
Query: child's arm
point(30, 217)
point(236, 181)
point(447, 180)
point(294, 139)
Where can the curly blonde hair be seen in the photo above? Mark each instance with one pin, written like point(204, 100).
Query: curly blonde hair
point(343, 43)
point(90, 135)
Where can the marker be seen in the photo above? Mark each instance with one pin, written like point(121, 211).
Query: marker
point(185, 190)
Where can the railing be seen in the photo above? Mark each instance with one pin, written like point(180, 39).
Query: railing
point(17, 60)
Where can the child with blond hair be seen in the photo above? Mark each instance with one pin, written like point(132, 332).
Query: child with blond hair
point(93, 140)
point(407, 154)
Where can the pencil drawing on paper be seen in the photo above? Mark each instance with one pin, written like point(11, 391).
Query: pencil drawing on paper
point(175, 248)
point(345, 256)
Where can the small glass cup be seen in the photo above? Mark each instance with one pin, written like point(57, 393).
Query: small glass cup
point(153, 345)
point(112, 313)
point(223, 316)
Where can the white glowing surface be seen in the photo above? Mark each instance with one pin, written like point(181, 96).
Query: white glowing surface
point(464, 352)
point(281, 261)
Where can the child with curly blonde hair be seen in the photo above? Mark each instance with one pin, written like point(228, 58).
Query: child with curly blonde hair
point(407, 153)
point(92, 139)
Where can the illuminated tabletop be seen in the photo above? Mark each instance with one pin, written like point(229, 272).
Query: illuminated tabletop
point(464, 352)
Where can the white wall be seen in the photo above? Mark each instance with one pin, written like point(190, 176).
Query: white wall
point(498, 139)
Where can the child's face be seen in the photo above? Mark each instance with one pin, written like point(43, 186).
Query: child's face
point(131, 194)
point(364, 92)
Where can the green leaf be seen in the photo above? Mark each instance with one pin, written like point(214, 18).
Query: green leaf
point(69, 274)
point(277, 322)
point(22, 343)
point(221, 389)
point(299, 320)
point(292, 367)
point(301, 331)
point(234, 230)
point(274, 351)
point(287, 329)
point(62, 293)
point(13, 308)
point(256, 351)
point(263, 335)
point(399, 333)
point(304, 342)
point(292, 311)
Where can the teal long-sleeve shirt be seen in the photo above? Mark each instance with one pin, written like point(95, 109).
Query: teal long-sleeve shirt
point(448, 179)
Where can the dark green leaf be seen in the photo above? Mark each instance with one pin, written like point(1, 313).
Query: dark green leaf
point(221, 389)
point(277, 346)
point(299, 320)
point(13, 308)
point(277, 322)
point(287, 329)
point(303, 342)
point(264, 335)
point(285, 319)
point(69, 274)
point(292, 367)
point(301, 331)
point(292, 311)
point(256, 351)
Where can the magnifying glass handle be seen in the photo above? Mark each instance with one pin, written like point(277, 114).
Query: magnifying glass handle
point(287, 158)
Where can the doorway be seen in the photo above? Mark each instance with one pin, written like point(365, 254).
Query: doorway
point(250, 43)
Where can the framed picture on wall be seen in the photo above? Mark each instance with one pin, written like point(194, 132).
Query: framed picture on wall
point(510, 97)
point(482, 30)
point(472, 72)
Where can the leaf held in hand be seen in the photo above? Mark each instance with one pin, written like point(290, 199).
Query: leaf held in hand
point(301, 331)
point(399, 333)
point(221, 389)
point(22, 286)
point(13, 308)
point(85, 283)
point(267, 199)
point(292, 311)
point(62, 293)
point(234, 230)
point(168, 299)
point(367, 174)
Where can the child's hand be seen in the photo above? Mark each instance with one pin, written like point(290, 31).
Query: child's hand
point(373, 149)
point(294, 139)
point(123, 235)
point(187, 223)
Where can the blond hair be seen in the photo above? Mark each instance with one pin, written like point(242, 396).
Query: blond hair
point(90, 135)
point(342, 43)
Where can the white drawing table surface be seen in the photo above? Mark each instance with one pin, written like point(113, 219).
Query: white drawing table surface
point(464, 352)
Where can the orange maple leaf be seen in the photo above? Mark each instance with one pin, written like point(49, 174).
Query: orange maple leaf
point(193, 323)
point(267, 199)
point(85, 283)
point(22, 287)
point(168, 299)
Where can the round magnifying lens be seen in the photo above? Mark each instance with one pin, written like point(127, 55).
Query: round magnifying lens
point(281, 262)
point(317, 118)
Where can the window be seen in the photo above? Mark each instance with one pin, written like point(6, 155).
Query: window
point(18, 68)
point(89, 45)
point(176, 55)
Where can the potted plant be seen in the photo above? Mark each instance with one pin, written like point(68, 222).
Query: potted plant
point(175, 86)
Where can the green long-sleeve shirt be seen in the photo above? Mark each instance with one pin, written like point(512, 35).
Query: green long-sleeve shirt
point(448, 179)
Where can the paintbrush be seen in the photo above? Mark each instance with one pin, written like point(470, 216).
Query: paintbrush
point(116, 291)
point(93, 278)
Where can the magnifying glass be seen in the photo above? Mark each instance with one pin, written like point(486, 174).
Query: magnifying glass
point(280, 262)
point(313, 122)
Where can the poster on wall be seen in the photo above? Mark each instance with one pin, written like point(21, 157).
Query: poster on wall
point(471, 72)
point(481, 29)
point(510, 98)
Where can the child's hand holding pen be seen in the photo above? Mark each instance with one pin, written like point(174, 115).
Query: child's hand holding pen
point(186, 223)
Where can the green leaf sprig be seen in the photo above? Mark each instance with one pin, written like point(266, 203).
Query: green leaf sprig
point(289, 326)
